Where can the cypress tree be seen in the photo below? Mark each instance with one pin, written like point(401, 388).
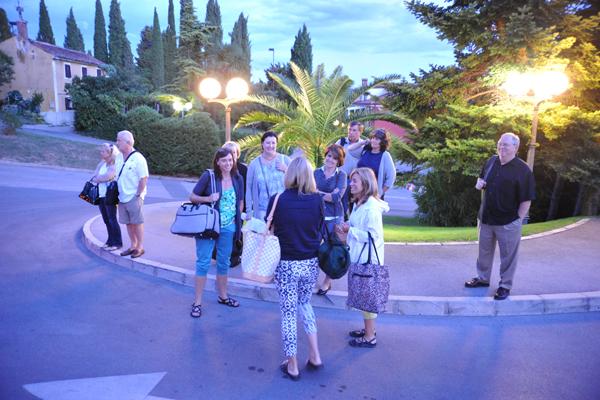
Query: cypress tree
point(45, 33)
point(100, 49)
point(240, 44)
point(187, 25)
point(4, 26)
point(215, 38)
point(144, 51)
point(73, 38)
point(302, 50)
point(157, 55)
point(118, 45)
point(170, 45)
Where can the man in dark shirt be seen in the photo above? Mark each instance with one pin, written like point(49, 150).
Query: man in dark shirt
point(509, 190)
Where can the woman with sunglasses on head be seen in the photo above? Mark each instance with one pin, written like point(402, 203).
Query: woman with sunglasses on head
point(375, 156)
point(104, 174)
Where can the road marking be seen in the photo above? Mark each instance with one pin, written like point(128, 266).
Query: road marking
point(122, 387)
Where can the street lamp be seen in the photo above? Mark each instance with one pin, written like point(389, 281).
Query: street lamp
point(236, 90)
point(181, 108)
point(535, 87)
point(272, 49)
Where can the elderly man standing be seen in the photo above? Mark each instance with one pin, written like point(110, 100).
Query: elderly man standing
point(509, 189)
point(131, 180)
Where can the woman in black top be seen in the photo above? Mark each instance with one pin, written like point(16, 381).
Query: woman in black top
point(297, 220)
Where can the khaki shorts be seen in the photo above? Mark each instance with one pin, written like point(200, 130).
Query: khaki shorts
point(131, 212)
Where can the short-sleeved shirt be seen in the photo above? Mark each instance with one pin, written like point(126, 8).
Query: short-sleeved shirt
point(135, 169)
point(351, 156)
point(227, 207)
point(269, 180)
point(507, 186)
point(370, 160)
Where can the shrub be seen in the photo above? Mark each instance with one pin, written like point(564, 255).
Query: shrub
point(174, 146)
point(9, 123)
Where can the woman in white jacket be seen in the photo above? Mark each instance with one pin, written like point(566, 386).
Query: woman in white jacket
point(366, 217)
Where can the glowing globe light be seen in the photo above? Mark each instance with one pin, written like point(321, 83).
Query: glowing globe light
point(177, 106)
point(236, 88)
point(210, 88)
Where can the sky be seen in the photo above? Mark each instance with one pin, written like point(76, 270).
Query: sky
point(368, 38)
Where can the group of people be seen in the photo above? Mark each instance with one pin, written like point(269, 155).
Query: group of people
point(343, 197)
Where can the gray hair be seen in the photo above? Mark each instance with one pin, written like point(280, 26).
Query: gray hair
point(126, 136)
point(515, 139)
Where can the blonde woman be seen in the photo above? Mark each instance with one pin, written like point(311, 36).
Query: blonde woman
point(297, 220)
point(366, 217)
point(106, 172)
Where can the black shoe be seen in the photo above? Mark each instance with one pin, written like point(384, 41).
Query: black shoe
point(476, 282)
point(362, 342)
point(501, 293)
point(313, 367)
point(284, 369)
point(358, 333)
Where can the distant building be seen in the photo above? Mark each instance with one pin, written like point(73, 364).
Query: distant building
point(45, 68)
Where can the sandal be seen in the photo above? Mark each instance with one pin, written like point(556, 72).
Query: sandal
point(284, 369)
point(228, 301)
point(358, 333)
point(362, 342)
point(196, 311)
point(323, 292)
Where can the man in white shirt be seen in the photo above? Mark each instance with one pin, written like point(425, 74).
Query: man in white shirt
point(355, 129)
point(131, 180)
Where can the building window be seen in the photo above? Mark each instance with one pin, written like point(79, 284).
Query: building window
point(67, 71)
point(98, 72)
point(83, 71)
point(68, 103)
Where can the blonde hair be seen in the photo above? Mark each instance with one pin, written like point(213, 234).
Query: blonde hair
point(233, 147)
point(299, 175)
point(369, 184)
point(112, 150)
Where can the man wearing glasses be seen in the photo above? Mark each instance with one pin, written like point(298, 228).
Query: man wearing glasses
point(509, 189)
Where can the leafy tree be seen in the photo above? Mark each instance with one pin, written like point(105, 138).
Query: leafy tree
point(302, 50)
point(118, 45)
point(4, 26)
point(308, 122)
point(170, 45)
point(240, 46)
point(158, 56)
point(74, 38)
point(144, 50)
point(45, 33)
point(100, 46)
point(7, 72)
point(215, 39)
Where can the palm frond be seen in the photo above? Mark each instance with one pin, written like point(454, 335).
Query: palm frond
point(256, 117)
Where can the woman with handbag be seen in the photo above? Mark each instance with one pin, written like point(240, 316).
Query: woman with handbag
point(364, 229)
point(297, 218)
point(265, 176)
point(104, 174)
point(224, 188)
point(331, 185)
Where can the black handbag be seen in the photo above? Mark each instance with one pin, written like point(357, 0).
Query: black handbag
point(112, 193)
point(90, 193)
point(334, 257)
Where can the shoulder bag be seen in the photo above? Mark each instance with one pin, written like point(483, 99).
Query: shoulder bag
point(368, 283)
point(90, 193)
point(198, 220)
point(112, 188)
point(261, 252)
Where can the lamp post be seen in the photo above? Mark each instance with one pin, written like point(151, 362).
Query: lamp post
point(181, 108)
point(535, 87)
point(272, 50)
point(236, 90)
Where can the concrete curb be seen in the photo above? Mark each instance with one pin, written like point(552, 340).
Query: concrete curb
point(402, 305)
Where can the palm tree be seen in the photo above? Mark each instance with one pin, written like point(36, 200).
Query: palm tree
point(316, 116)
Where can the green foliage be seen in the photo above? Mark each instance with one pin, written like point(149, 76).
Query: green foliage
point(240, 47)
point(100, 46)
point(157, 54)
point(174, 145)
point(118, 45)
point(144, 51)
point(73, 39)
point(4, 26)
point(9, 123)
point(302, 50)
point(96, 104)
point(7, 72)
point(170, 46)
point(45, 33)
point(215, 39)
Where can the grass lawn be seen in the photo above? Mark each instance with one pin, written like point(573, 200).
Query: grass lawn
point(398, 229)
point(36, 149)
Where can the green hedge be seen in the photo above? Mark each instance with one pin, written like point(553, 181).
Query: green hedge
point(173, 146)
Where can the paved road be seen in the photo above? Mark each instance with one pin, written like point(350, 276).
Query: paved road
point(65, 314)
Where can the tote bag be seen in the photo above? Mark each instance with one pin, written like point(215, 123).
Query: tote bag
point(90, 193)
point(368, 283)
point(261, 252)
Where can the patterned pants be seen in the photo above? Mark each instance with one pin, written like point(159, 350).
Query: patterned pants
point(295, 281)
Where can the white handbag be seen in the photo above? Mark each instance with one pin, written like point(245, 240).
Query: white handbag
point(261, 252)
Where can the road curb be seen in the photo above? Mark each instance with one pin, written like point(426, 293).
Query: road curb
point(557, 303)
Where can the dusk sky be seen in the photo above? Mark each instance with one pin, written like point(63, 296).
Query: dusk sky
point(366, 37)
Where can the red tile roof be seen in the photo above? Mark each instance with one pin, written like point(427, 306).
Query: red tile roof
point(67, 54)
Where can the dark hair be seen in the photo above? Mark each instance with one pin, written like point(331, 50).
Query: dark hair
point(337, 152)
point(268, 134)
point(221, 153)
point(361, 126)
point(383, 136)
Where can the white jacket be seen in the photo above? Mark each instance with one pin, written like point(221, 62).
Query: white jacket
point(364, 219)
